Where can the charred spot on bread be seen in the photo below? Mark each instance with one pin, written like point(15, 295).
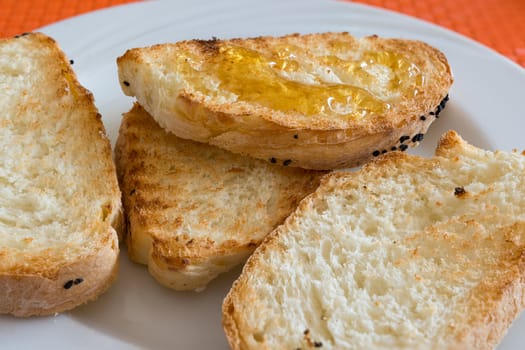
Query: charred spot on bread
point(125, 82)
point(210, 46)
point(403, 147)
point(22, 34)
point(287, 162)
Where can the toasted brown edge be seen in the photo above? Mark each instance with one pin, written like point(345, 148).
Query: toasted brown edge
point(482, 332)
point(182, 254)
point(232, 325)
point(40, 293)
point(346, 146)
point(74, 284)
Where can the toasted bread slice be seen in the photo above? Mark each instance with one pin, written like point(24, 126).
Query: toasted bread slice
point(318, 101)
point(407, 253)
point(194, 210)
point(59, 194)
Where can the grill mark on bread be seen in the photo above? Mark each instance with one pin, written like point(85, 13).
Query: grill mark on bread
point(172, 189)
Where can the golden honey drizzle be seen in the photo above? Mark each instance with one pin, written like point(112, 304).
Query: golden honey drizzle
point(256, 78)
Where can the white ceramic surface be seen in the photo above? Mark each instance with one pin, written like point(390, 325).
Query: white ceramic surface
point(137, 313)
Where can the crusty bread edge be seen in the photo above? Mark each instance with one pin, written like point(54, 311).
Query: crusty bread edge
point(198, 255)
point(488, 329)
point(319, 148)
point(330, 149)
point(198, 261)
point(197, 273)
point(479, 334)
point(73, 284)
point(230, 322)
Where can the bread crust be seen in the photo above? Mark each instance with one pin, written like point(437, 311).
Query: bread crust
point(491, 305)
point(62, 275)
point(314, 141)
point(191, 207)
point(41, 293)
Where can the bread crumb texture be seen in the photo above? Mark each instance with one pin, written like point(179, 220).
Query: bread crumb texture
point(317, 101)
point(391, 257)
point(58, 188)
point(195, 210)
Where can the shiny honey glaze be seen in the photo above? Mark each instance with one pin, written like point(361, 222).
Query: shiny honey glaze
point(257, 78)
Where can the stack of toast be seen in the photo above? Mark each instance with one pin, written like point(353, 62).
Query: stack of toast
point(245, 118)
point(407, 253)
point(238, 149)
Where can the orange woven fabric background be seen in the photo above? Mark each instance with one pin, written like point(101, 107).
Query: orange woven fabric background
point(499, 24)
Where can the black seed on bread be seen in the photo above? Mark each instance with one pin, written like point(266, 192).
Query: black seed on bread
point(404, 253)
point(56, 159)
point(194, 103)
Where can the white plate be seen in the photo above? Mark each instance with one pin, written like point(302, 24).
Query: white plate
point(486, 107)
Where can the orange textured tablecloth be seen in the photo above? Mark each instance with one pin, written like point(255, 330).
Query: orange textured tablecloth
point(499, 24)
